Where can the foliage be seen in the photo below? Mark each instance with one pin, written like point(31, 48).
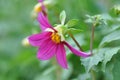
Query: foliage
point(19, 62)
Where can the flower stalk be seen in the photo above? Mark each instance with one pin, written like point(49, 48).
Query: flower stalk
point(78, 45)
point(92, 39)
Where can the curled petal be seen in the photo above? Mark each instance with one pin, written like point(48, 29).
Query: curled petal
point(47, 50)
point(38, 39)
point(77, 52)
point(61, 56)
point(43, 20)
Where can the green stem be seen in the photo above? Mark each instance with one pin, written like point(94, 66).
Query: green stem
point(92, 40)
point(93, 75)
point(78, 45)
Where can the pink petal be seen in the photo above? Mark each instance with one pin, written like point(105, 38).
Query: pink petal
point(40, 0)
point(61, 56)
point(47, 50)
point(38, 39)
point(77, 52)
point(43, 20)
point(43, 6)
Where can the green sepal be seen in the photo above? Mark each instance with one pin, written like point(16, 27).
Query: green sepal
point(62, 17)
point(72, 23)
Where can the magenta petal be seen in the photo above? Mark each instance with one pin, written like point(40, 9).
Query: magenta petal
point(38, 39)
point(61, 56)
point(43, 7)
point(77, 52)
point(40, 0)
point(43, 20)
point(47, 50)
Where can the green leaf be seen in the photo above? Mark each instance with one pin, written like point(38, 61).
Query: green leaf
point(66, 73)
point(74, 30)
point(116, 68)
point(110, 37)
point(72, 22)
point(103, 55)
point(93, 60)
point(85, 76)
point(62, 17)
point(49, 70)
point(108, 55)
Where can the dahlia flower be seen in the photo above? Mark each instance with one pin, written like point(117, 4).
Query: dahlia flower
point(51, 41)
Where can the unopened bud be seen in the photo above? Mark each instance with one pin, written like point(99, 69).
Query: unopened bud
point(96, 20)
point(25, 42)
point(117, 9)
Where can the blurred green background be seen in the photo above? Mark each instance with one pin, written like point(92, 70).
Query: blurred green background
point(18, 62)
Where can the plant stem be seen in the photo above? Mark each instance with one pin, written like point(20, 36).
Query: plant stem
point(92, 40)
point(93, 75)
point(78, 45)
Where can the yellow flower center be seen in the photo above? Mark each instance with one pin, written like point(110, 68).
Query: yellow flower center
point(38, 7)
point(55, 37)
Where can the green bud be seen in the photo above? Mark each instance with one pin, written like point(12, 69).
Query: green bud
point(25, 42)
point(117, 9)
point(96, 20)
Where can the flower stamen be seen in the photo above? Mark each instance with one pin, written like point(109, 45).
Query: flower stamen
point(38, 7)
point(56, 38)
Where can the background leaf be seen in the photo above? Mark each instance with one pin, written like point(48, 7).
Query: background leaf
point(93, 60)
point(116, 68)
point(18, 62)
point(103, 55)
point(109, 54)
point(110, 37)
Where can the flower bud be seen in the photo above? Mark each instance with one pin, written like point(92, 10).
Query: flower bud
point(25, 42)
point(117, 9)
point(96, 20)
